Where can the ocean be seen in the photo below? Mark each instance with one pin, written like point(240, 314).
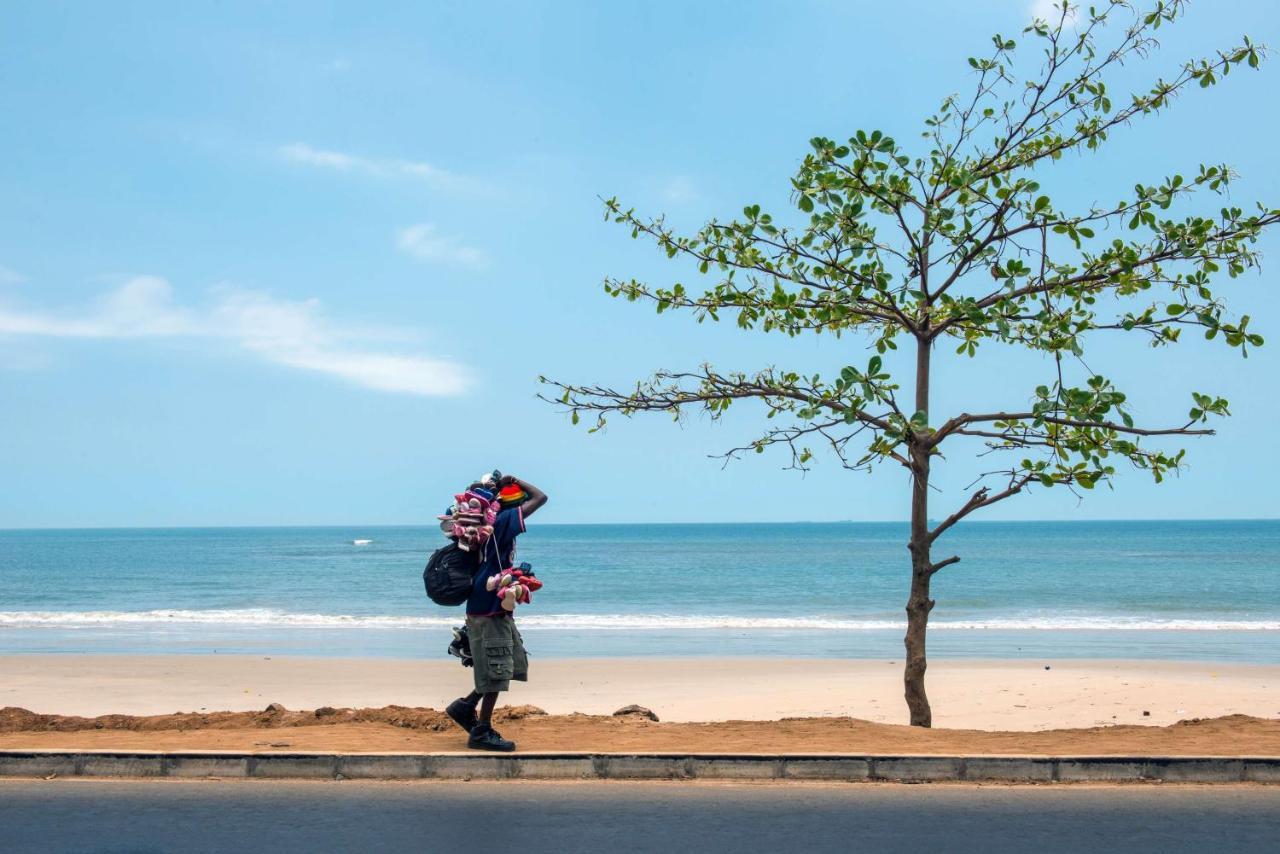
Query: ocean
point(1177, 590)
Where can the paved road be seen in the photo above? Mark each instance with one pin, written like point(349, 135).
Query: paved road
point(530, 817)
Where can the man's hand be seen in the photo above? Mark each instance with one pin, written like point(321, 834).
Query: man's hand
point(536, 498)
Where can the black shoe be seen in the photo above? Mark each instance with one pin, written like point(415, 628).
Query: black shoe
point(486, 738)
point(463, 713)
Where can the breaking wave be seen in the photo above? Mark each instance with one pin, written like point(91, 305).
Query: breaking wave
point(272, 618)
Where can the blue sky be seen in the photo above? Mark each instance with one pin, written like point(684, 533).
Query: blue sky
point(301, 263)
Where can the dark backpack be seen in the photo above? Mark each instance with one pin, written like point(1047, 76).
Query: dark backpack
point(449, 574)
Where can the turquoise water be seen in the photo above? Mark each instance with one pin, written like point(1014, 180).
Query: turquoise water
point(1197, 590)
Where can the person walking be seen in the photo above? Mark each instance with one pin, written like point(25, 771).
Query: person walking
point(497, 650)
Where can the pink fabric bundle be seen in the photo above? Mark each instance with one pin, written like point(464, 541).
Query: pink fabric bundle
point(470, 519)
point(514, 587)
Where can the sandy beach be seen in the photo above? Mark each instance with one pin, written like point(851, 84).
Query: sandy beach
point(966, 694)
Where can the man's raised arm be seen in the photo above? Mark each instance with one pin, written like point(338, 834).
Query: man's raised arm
point(536, 499)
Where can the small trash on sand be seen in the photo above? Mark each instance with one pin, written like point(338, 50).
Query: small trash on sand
point(639, 711)
point(1145, 713)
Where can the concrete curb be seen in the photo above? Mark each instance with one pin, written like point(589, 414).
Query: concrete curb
point(640, 766)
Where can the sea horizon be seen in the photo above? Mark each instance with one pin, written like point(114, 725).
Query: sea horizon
point(684, 523)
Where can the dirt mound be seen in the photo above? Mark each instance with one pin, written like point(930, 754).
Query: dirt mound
point(400, 728)
point(13, 719)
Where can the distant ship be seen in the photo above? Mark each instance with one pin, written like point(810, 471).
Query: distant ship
point(361, 542)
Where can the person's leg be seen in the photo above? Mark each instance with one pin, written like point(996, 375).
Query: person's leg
point(484, 736)
point(492, 647)
point(487, 702)
point(463, 709)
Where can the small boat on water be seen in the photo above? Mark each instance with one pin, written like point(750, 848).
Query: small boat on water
point(361, 542)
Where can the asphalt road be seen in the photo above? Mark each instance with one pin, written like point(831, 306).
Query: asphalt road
point(531, 817)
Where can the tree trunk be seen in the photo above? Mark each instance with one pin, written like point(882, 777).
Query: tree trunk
point(918, 603)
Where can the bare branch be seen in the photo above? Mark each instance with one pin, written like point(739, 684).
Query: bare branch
point(943, 563)
point(979, 499)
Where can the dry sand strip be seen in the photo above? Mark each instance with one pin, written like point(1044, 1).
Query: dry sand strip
point(966, 694)
point(653, 766)
point(396, 742)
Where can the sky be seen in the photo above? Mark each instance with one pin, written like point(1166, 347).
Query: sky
point(303, 262)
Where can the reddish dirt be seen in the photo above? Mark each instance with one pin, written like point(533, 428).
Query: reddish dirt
point(396, 728)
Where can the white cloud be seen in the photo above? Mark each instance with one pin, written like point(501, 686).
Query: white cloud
point(10, 277)
point(300, 152)
point(680, 191)
point(283, 332)
point(1050, 11)
point(425, 243)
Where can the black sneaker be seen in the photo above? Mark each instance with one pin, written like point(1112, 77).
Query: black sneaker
point(487, 738)
point(463, 713)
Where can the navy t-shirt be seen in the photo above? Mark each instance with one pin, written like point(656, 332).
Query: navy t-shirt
point(498, 553)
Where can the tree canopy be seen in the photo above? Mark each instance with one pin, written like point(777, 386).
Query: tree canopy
point(960, 244)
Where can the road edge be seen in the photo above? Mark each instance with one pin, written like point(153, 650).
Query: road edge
point(904, 768)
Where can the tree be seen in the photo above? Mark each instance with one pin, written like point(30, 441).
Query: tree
point(959, 245)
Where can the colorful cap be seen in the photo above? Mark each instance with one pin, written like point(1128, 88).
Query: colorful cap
point(511, 494)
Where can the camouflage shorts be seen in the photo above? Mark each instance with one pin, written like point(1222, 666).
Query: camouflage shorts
point(498, 652)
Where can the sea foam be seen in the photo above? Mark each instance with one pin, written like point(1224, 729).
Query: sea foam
point(266, 617)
